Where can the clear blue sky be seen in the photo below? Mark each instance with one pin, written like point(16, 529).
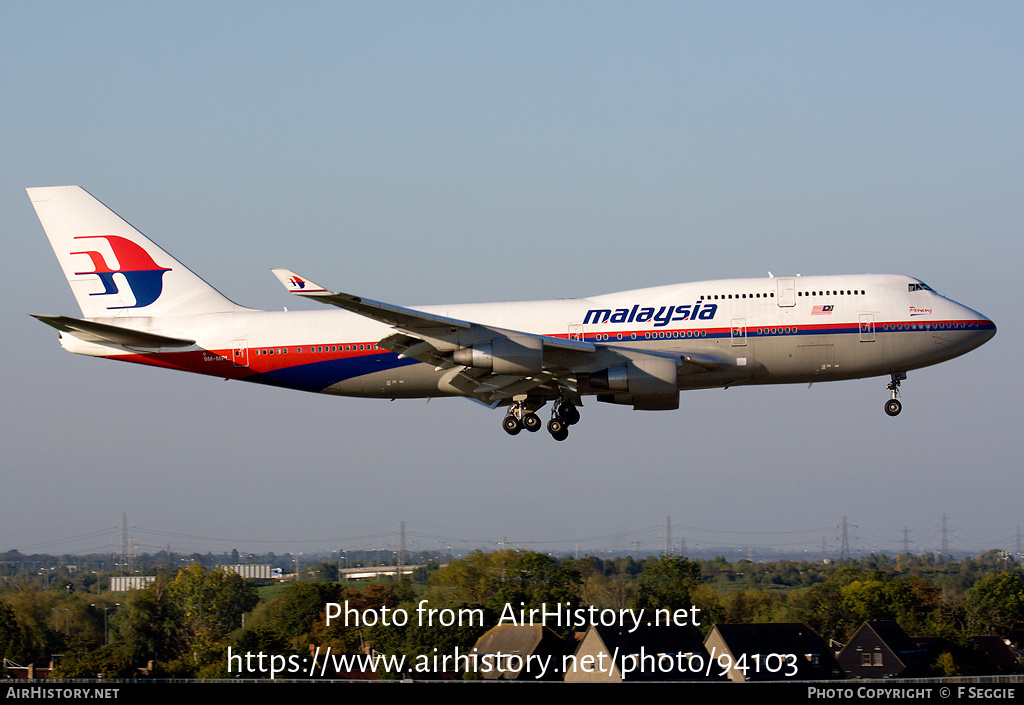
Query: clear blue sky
point(447, 152)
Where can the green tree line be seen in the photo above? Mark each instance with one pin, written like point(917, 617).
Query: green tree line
point(184, 623)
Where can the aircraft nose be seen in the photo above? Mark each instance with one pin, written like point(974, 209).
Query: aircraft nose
point(979, 328)
point(986, 329)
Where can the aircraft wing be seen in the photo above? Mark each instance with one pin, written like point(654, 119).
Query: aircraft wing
point(408, 319)
point(496, 364)
point(377, 310)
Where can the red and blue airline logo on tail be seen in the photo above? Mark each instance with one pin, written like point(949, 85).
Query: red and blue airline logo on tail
point(143, 276)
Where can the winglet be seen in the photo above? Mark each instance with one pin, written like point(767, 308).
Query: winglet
point(298, 285)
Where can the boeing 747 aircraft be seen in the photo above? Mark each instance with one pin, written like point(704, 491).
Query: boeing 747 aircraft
point(639, 348)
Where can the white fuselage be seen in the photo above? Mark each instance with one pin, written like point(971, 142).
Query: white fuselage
point(772, 330)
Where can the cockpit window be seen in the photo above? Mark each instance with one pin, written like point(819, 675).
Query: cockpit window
point(919, 286)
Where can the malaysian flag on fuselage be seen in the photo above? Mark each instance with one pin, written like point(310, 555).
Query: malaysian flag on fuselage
point(822, 310)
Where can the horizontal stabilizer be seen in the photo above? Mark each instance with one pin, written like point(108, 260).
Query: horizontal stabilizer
point(92, 332)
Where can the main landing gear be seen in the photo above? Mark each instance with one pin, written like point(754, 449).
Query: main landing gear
point(564, 415)
point(523, 414)
point(894, 406)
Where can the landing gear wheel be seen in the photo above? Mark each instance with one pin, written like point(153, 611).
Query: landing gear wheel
point(532, 422)
point(893, 407)
point(558, 430)
point(512, 425)
point(570, 414)
point(566, 411)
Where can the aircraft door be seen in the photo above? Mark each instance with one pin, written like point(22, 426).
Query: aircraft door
point(739, 332)
point(786, 293)
point(240, 353)
point(575, 331)
point(867, 327)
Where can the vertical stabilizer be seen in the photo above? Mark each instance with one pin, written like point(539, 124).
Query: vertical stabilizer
point(113, 269)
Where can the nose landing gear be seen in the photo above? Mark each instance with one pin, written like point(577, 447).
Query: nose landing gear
point(894, 406)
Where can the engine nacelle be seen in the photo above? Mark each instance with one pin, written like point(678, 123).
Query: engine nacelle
point(614, 379)
point(646, 382)
point(512, 355)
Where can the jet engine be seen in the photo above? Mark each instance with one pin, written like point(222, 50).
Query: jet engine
point(511, 355)
point(647, 382)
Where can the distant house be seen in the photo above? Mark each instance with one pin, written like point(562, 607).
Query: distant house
point(997, 655)
point(29, 672)
point(984, 656)
point(881, 649)
point(510, 652)
point(766, 652)
point(649, 652)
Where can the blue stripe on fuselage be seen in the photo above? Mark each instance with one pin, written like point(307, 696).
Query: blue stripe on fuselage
point(317, 376)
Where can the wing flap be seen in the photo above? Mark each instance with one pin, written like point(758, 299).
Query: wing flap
point(409, 346)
